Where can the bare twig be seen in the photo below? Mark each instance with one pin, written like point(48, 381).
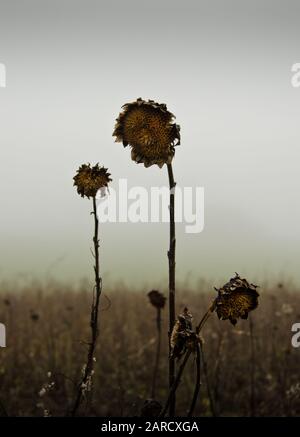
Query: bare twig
point(171, 257)
point(108, 303)
point(206, 317)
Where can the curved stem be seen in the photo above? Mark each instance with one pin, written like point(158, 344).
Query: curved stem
point(206, 317)
point(94, 317)
point(171, 257)
point(176, 383)
point(209, 393)
point(198, 381)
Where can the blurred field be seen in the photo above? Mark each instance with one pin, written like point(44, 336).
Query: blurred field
point(47, 327)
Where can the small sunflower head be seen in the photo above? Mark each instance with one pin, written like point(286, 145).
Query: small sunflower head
point(157, 299)
point(236, 299)
point(89, 180)
point(147, 127)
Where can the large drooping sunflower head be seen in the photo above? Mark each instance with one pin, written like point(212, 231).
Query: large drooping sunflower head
point(236, 299)
point(147, 127)
point(89, 180)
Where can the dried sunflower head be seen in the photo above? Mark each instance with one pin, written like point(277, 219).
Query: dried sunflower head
point(236, 299)
point(157, 299)
point(147, 127)
point(89, 180)
point(182, 334)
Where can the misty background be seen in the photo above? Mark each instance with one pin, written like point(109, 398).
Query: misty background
point(224, 70)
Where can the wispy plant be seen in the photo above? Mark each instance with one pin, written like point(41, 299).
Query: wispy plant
point(235, 300)
point(148, 128)
point(89, 180)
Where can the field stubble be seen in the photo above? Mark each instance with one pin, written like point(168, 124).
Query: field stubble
point(48, 330)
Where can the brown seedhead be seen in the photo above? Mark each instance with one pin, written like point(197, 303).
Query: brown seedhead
point(147, 127)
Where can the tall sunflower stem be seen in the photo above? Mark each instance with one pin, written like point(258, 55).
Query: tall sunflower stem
point(171, 257)
point(88, 369)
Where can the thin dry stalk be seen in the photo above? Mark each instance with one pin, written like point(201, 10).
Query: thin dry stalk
point(215, 400)
point(252, 370)
point(88, 370)
point(176, 383)
point(208, 388)
point(157, 355)
point(198, 381)
point(171, 257)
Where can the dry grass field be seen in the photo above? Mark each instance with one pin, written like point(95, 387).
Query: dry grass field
point(250, 369)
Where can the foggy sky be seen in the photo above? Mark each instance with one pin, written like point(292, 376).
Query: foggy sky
point(223, 68)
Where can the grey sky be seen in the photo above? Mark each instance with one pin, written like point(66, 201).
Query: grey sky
point(222, 67)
